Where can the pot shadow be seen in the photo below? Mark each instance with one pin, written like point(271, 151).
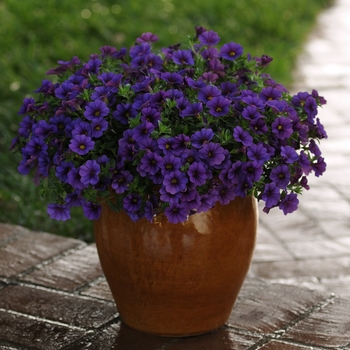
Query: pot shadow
point(121, 337)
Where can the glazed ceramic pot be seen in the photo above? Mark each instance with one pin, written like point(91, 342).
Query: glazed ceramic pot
point(177, 279)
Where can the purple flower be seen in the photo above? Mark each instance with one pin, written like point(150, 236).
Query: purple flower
point(175, 181)
point(150, 115)
point(43, 129)
point(270, 93)
point(132, 202)
point(271, 195)
point(231, 51)
point(251, 113)
point(92, 210)
point(36, 147)
point(192, 109)
point(96, 109)
point(243, 136)
point(207, 202)
point(258, 153)
point(140, 50)
point(320, 167)
point(66, 91)
point(74, 179)
point(124, 112)
point(289, 154)
point(74, 199)
point(89, 173)
point(176, 213)
point(280, 176)
point(226, 194)
point(218, 106)
point(25, 126)
point(98, 125)
point(253, 170)
point(183, 57)
point(199, 138)
point(63, 169)
point(209, 38)
point(81, 144)
point(147, 38)
point(207, 93)
point(149, 164)
point(289, 203)
point(172, 78)
point(82, 128)
point(212, 153)
point(282, 128)
point(197, 173)
point(58, 212)
point(122, 181)
point(142, 131)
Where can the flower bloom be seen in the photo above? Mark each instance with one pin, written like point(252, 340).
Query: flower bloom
point(175, 181)
point(58, 212)
point(231, 51)
point(89, 173)
point(218, 106)
point(81, 144)
point(96, 109)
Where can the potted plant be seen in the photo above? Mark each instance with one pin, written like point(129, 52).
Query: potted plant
point(175, 142)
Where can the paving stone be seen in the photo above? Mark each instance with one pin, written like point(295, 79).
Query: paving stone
point(36, 334)
point(223, 339)
point(8, 231)
point(319, 267)
point(60, 307)
point(69, 272)
point(31, 248)
point(100, 290)
point(328, 327)
point(121, 337)
point(272, 308)
point(279, 345)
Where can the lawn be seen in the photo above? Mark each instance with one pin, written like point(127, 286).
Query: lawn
point(36, 34)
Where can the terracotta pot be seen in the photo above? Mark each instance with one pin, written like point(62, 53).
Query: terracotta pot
point(177, 279)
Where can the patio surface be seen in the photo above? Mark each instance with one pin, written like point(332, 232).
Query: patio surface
point(297, 294)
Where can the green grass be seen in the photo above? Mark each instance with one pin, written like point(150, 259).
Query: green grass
point(36, 34)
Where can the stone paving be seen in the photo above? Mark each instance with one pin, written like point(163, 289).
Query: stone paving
point(297, 295)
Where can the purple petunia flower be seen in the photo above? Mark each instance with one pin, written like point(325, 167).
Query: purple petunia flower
point(81, 144)
point(132, 202)
point(201, 137)
point(124, 112)
point(43, 129)
point(258, 152)
point(212, 153)
point(150, 115)
point(142, 131)
point(89, 173)
point(66, 91)
point(192, 109)
point(176, 213)
point(271, 195)
point(270, 93)
point(92, 210)
point(218, 106)
point(172, 78)
point(231, 51)
point(74, 199)
point(289, 154)
point(226, 194)
point(36, 147)
point(280, 176)
point(74, 179)
point(58, 212)
point(96, 109)
point(149, 164)
point(62, 170)
point(197, 173)
point(320, 167)
point(82, 128)
point(122, 181)
point(183, 57)
point(209, 38)
point(282, 128)
point(147, 38)
point(98, 126)
point(251, 113)
point(207, 93)
point(175, 181)
point(243, 136)
point(289, 203)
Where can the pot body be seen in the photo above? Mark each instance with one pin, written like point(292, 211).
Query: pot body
point(177, 279)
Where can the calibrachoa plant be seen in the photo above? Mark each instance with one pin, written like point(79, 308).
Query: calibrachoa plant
point(173, 131)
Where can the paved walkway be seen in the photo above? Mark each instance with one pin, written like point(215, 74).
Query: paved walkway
point(297, 295)
point(311, 247)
